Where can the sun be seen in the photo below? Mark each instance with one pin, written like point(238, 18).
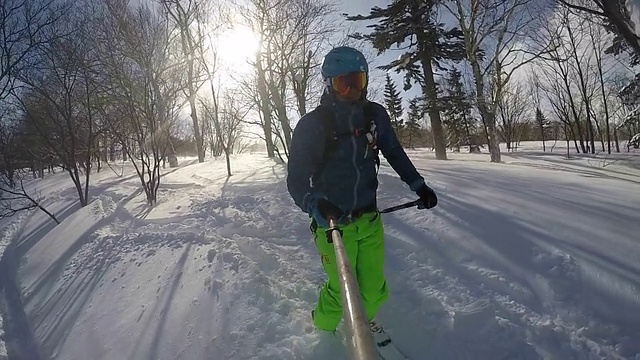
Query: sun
point(235, 48)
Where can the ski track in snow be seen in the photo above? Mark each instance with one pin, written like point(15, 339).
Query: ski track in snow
point(9, 228)
point(517, 262)
point(232, 256)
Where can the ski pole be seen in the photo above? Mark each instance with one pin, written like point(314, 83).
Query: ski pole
point(359, 338)
point(417, 203)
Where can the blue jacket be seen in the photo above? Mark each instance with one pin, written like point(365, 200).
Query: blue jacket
point(348, 177)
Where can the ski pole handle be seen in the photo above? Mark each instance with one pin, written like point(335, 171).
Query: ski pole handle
point(417, 203)
point(332, 227)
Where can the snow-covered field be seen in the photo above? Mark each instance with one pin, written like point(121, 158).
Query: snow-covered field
point(535, 258)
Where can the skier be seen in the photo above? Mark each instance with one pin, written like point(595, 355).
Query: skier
point(332, 173)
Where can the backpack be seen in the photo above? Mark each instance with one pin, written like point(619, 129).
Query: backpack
point(332, 135)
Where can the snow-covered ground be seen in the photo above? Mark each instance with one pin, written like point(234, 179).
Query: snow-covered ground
point(535, 258)
point(8, 229)
point(4, 241)
point(3, 349)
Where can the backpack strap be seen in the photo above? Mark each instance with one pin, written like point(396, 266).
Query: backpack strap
point(332, 135)
point(329, 125)
point(372, 134)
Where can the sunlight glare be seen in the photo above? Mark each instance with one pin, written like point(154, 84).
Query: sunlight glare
point(236, 47)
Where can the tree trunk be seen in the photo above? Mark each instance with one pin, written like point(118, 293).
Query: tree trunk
point(568, 146)
point(276, 91)
point(217, 127)
point(583, 91)
point(75, 176)
point(591, 135)
point(544, 148)
point(487, 117)
point(112, 151)
point(601, 135)
point(228, 159)
point(300, 84)
point(430, 92)
point(608, 134)
point(581, 137)
point(577, 119)
point(86, 180)
point(194, 112)
point(196, 126)
point(264, 106)
point(606, 108)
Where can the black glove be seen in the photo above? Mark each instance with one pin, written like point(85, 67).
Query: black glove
point(428, 197)
point(327, 210)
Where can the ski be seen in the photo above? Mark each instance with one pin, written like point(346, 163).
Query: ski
point(387, 349)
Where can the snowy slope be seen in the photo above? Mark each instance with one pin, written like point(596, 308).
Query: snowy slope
point(532, 259)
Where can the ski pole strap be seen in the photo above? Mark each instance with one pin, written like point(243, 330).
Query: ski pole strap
point(330, 231)
point(417, 203)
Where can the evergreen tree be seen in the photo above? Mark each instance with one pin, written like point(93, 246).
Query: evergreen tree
point(393, 102)
point(460, 126)
point(542, 123)
point(410, 25)
point(414, 118)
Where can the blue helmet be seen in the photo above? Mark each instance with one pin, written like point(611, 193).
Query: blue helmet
point(343, 60)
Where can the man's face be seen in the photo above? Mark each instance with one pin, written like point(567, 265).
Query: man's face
point(351, 95)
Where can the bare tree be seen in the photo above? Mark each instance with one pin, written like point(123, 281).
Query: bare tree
point(292, 34)
point(540, 120)
point(494, 34)
point(576, 34)
point(259, 22)
point(294, 49)
point(145, 83)
point(15, 198)
point(10, 159)
point(513, 107)
point(185, 14)
point(579, 60)
point(24, 27)
point(213, 141)
point(208, 55)
point(231, 115)
point(599, 39)
point(226, 117)
point(57, 96)
point(560, 96)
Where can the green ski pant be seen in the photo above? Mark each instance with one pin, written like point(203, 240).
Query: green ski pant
point(364, 243)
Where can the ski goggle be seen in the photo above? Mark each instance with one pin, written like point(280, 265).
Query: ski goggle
point(344, 83)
